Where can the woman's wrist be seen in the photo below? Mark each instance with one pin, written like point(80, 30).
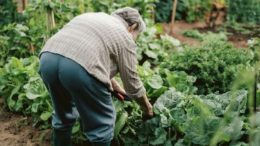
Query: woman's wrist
point(145, 104)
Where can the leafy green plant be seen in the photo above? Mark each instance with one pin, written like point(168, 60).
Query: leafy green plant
point(23, 89)
point(158, 80)
point(153, 48)
point(163, 11)
point(145, 7)
point(244, 11)
point(255, 132)
point(193, 34)
point(205, 36)
point(190, 120)
point(14, 41)
point(189, 10)
point(8, 13)
point(215, 65)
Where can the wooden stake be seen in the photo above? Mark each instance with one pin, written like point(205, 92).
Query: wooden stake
point(24, 4)
point(255, 89)
point(50, 19)
point(174, 6)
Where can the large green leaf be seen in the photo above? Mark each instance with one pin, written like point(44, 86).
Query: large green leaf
point(155, 82)
point(45, 116)
point(170, 99)
point(10, 101)
point(151, 54)
point(160, 137)
point(32, 96)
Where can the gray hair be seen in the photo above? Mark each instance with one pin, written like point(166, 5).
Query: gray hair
point(131, 16)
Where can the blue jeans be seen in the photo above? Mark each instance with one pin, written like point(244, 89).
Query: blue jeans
point(74, 93)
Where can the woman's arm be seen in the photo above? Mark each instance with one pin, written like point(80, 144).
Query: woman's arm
point(142, 101)
point(127, 65)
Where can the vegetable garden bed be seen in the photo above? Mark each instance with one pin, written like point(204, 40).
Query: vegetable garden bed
point(203, 94)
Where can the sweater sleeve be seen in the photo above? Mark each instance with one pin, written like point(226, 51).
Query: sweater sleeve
point(127, 65)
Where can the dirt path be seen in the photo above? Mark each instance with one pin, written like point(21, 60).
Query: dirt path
point(16, 130)
point(237, 39)
point(180, 27)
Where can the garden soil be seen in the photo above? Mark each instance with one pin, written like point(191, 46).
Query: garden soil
point(17, 130)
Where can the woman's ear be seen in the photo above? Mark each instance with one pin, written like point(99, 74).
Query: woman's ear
point(132, 27)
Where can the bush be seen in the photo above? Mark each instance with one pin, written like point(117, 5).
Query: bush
point(215, 65)
point(24, 91)
point(189, 10)
point(8, 13)
point(244, 11)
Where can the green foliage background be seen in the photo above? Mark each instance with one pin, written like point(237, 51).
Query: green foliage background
point(247, 11)
point(201, 95)
point(189, 10)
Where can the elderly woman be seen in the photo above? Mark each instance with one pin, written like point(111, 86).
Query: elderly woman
point(77, 66)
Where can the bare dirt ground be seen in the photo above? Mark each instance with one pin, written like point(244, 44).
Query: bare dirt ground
point(17, 130)
point(180, 27)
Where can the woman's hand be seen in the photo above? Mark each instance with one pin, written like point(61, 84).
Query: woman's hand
point(143, 101)
point(145, 106)
point(116, 87)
